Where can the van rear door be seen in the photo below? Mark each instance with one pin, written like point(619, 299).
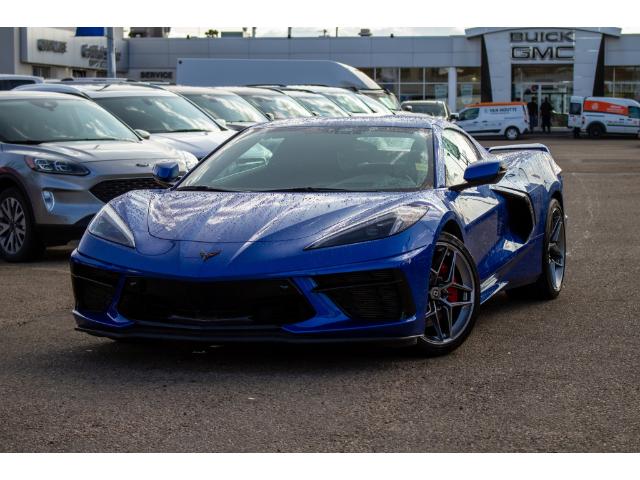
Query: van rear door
point(575, 113)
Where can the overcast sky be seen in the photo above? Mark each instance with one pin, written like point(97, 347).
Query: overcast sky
point(342, 31)
point(317, 31)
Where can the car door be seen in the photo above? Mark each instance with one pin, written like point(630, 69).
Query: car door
point(477, 207)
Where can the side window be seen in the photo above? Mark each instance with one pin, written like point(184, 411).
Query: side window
point(634, 112)
point(469, 114)
point(454, 164)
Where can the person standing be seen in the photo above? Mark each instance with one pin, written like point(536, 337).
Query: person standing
point(545, 112)
point(532, 108)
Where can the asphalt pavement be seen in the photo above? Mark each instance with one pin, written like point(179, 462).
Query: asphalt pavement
point(533, 376)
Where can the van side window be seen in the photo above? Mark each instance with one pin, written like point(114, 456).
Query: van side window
point(469, 114)
point(575, 109)
point(634, 112)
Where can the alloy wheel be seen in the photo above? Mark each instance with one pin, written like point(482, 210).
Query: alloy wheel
point(556, 249)
point(451, 295)
point(13, 225)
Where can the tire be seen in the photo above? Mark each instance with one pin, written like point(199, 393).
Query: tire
point(596, 130)
point(512, 133)
point(441, 336)
point(549, 283)
point(19, 240)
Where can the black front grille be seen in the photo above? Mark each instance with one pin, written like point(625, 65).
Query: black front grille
point(110, 189)
point(213, 304)
point(375, 295)
point(93, 288)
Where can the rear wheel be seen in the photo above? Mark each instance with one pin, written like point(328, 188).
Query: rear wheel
point(19, 241)
point(554, 253)
point(453, 298)
point(512, 133)
point(596, 130)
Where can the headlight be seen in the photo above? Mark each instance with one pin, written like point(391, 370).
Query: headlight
point(381, 226)
point(108, 225)
point(60, 167)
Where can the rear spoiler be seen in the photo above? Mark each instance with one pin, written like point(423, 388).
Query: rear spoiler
point(514, 148)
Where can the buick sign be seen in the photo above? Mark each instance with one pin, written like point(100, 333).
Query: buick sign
point(543, 45)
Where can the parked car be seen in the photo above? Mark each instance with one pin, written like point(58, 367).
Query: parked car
point(345, 99)
point(353, 230)
point(509, 119)
point(250, 71)
point(598, 116)
point(274, 105)
point(62, 158)
point(317, 104)
point(435, 108)
point(10, 81)
point(159, 114)
point(223, 105)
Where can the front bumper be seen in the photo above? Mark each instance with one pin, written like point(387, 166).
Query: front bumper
point(388, 308)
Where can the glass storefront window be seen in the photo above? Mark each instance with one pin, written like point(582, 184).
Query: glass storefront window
point(412, 75)
point(436, 75)
point(468, 92)
point(622, 82)
point(468, 75)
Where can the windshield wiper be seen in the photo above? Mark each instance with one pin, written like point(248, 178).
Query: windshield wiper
point(183, 130)
point(305, 189)
point(201, 188)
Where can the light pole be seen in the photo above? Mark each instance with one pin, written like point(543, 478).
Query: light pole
point(111, 54)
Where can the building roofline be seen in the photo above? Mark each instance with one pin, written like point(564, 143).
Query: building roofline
point(477, 31)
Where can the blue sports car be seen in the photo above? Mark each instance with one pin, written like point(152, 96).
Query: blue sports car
point(326, 230)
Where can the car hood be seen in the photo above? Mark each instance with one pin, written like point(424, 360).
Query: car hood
point(249, 217)
point(199, 144)
point(85, 152)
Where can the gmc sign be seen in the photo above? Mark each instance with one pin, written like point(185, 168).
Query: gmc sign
point(534, 45)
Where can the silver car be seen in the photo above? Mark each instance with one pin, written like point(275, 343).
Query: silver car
point(61, 159)
point(167, 117)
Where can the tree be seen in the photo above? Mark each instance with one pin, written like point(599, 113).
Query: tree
point(211, 33)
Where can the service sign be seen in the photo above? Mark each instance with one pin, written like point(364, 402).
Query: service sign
point(542, 46)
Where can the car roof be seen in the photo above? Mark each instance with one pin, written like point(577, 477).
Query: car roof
point(11, 76)
point(424, 102)
point(29, 95)
point(253, 90)
point(494, 104)
point(184, 89)
point(399, 121)
point(99, 90)
point(320, 88)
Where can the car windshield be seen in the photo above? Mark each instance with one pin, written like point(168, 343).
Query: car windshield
point(319, 105)
point(36, 121)
point(159, 114)
point(434, 109)
point(280, 106)
point(231, 108)
point(375, 105)
point(312, 158)
point(349, 102)
point(389, 100)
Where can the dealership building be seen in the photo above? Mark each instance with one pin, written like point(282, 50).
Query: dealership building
point(484, 64)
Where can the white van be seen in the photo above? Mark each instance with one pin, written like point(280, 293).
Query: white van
point(597, 116)
point(508, 119)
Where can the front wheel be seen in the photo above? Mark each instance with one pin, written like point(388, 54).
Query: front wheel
point(512, 133)
point(19, 241)
point(453, 298)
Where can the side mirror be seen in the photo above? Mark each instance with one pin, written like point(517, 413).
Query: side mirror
point(143, 134)
point(222, 122)
point(270, 116)
point(453, 117)
point(481, 173)
point(166, 173)
point(407, 108)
